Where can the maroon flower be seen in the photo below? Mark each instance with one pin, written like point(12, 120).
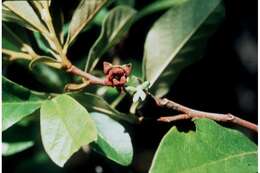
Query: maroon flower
point(116, 75)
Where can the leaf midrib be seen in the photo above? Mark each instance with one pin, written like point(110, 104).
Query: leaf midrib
point(113, 37)
point(64, 123)
point(220, 160)
point(41, 28)
point(77, 31)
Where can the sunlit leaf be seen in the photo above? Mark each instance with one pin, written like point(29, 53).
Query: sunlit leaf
point(18, 102)
point(23, 10)
point(65, 127)
point(9, 16)
point(210, 149)
point(113, 141)
point(180, 35)
point(83, 14)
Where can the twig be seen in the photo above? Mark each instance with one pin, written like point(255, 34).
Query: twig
point(87, 76)
point(188, 113)
point(13, 55)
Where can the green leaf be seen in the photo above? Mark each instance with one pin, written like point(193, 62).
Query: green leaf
point(23, 10)
point(114, 26)
point(83, 14)
point(211, 149)
point(9, 16)
point(180, 35)
point(15, 147)
point(10, 40)
point(41, 42)
point(52, 79)
point(130, 3)
point(156, 6)
point(18, 102)
point(65, 127)
point(113, 141)
point(95, 103)
point(98, 20)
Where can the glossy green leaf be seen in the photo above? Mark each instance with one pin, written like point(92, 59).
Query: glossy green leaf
point(113, 141)
point(65, 127)
point(211, 149)
point(114, 26)
point(23, 10)
point(18, 102)
point(83, 14)
point(95, 103)
point(15, 147)
point(180, 36)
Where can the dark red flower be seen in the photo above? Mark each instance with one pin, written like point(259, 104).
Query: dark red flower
point(116, 75)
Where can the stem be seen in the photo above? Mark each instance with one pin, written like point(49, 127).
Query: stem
point(189, 113)
point(13, 55)
point(52, 38)
point(118, 100)
point(87, 76)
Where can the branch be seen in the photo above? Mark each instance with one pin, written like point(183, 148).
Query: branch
point(91, 79)
point(188, 113)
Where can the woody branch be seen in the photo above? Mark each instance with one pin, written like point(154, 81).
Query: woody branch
point(188, 113)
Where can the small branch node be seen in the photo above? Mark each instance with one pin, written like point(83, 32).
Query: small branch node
point(230, 117)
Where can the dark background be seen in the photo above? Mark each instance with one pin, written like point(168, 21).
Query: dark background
point(224, 81)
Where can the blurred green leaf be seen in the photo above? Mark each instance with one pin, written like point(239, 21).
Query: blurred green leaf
point(210, 149)
point(15, 147)
point(99, 18)
point(130, 3)
point(65, 127)
point(107, 93)
point(113, 141)
point(41, 42)
point(53, 79)
point(84, 13)
point(180, 35)
point(114, 26)
point(155, 6)
point(18, 102)
point(95, 103)
point(23, 10)
point(10, 40)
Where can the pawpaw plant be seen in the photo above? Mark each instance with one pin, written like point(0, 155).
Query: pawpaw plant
point(84, 96)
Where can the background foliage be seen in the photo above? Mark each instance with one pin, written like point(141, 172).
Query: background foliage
point(229, 62)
